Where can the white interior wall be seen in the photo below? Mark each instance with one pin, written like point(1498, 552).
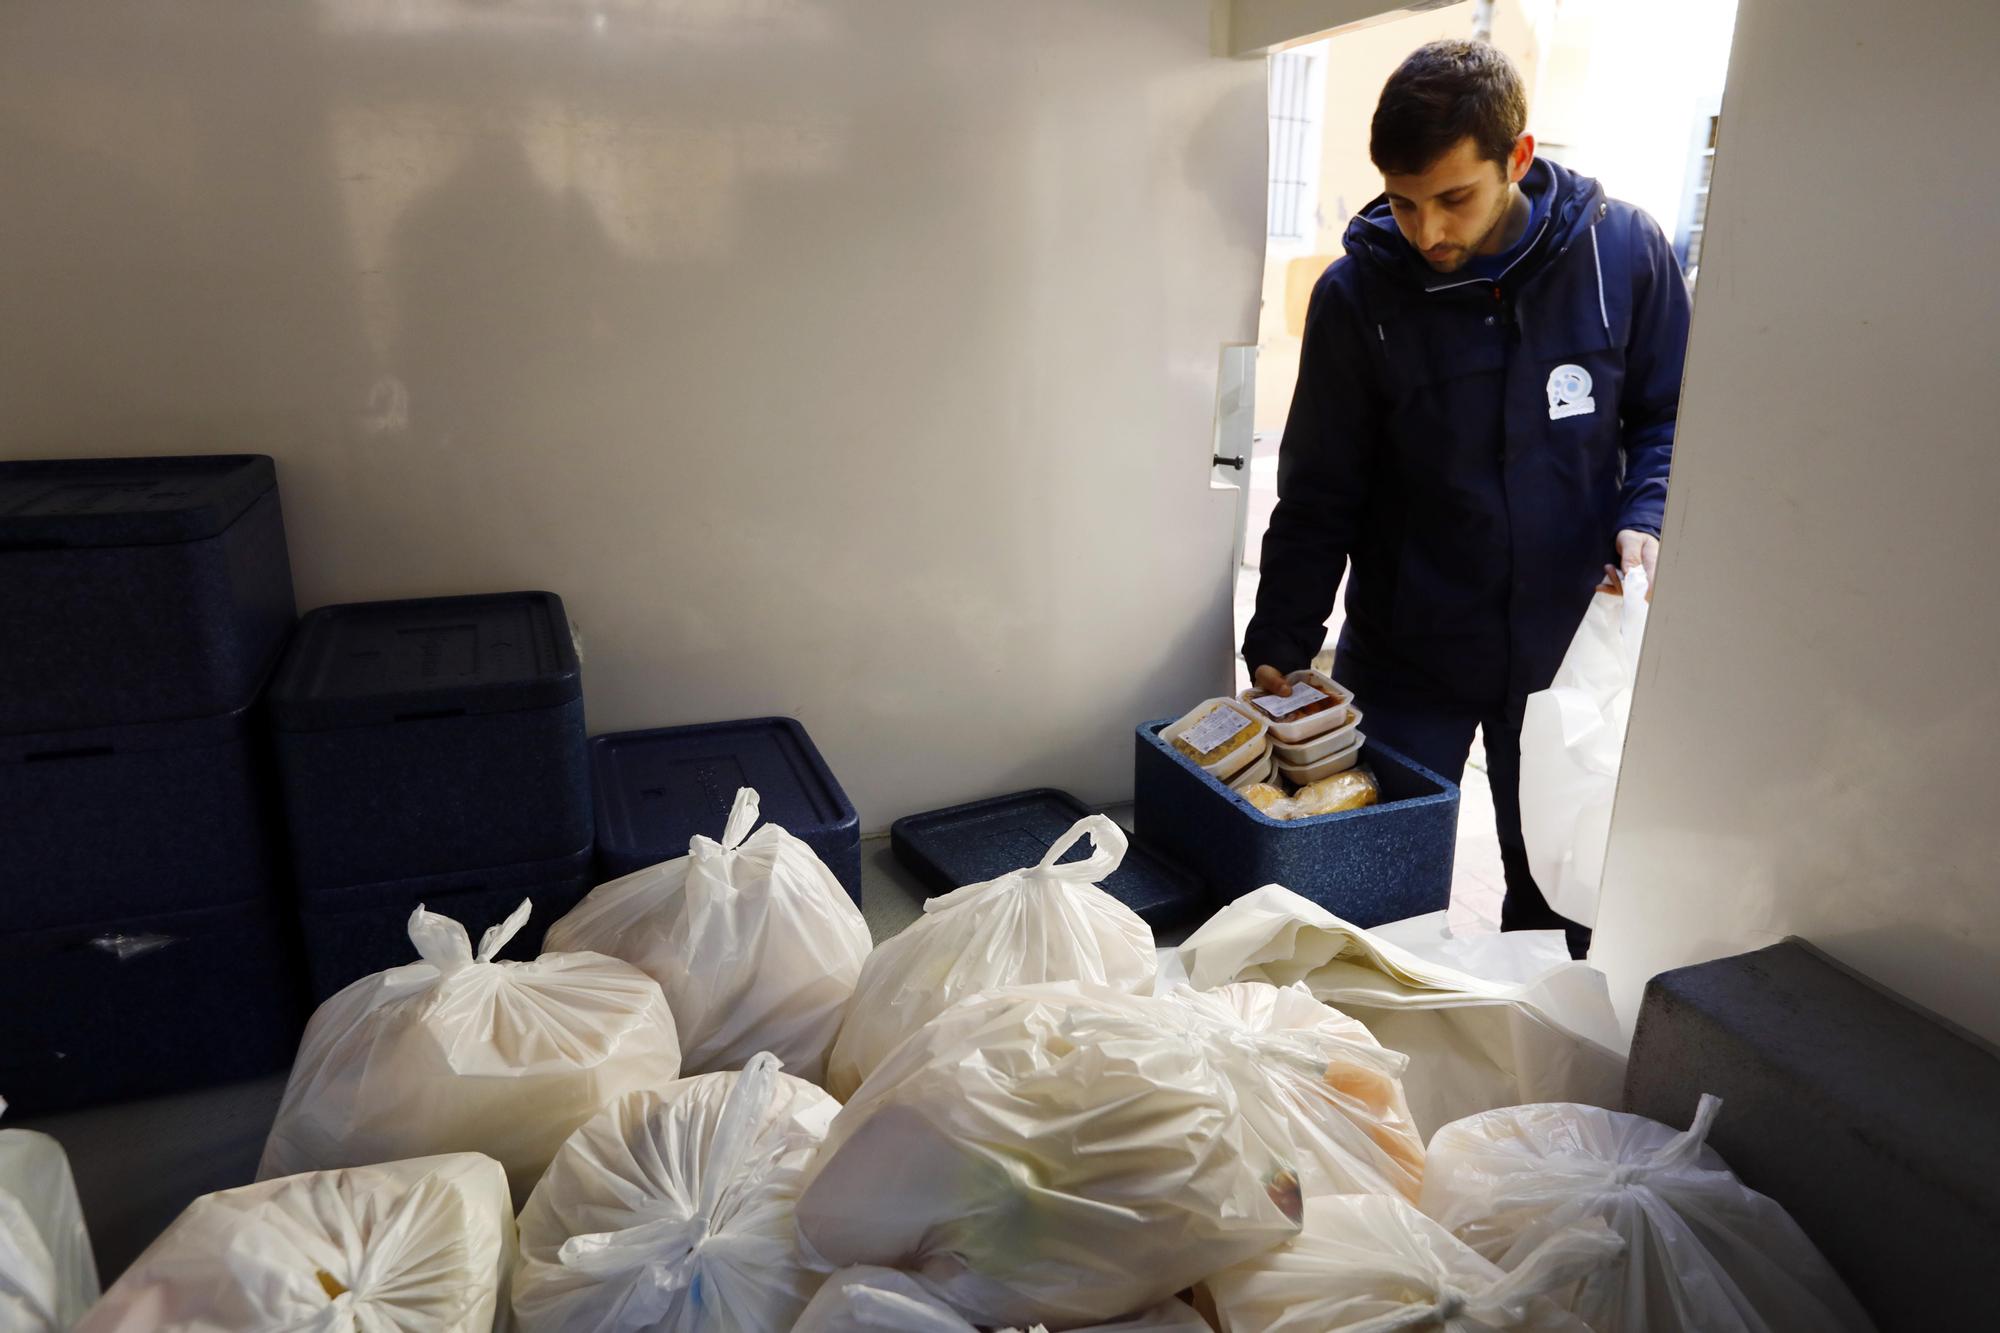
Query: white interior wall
point(846, 359)
point(1813, 735)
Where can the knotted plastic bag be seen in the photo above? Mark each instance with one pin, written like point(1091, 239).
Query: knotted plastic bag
point(1322, 1082)
point(753, 940)
point(671, 1211)
point(47, 1273)
point(421, 1246)
point(883, 1300)
point(459, 1053)
point(1048, 922)
point(1059, 1154)
point(1368, 1263)
point(1705, 1254)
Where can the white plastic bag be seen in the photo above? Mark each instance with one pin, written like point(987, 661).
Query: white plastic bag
point(883, 1300)
point(671, 1211)
point(753, 940)
point(1572, 737)
point(48, 1275)
point(1705, 1254)
point(1048, 922)
point(1370, 1263)
point(1058, 1154)
point(459, 1053)
point(1322, 1082)
point(421, 1246)
point(1473, 1044)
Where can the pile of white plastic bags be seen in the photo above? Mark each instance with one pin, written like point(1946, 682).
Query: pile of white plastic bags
point(717, 1111)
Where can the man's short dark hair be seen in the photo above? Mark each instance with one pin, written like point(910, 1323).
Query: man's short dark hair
point(1440, 94)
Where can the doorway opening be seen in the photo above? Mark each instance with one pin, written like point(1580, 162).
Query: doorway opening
point(1627, 93)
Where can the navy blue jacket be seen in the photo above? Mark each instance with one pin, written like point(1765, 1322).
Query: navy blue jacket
point(1472, 447)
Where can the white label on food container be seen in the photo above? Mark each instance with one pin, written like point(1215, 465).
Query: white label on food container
point(1213, 730)
point(1284, 705)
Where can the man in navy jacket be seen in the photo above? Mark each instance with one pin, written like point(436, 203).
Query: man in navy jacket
point(1484, 418)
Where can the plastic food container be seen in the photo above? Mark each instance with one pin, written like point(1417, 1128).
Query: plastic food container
point(1338, 762)
point(1299, 730)
point(138, 590)
point(1227, 764)
point(655, 790)
point(1261, 770)
point(1323, 746)
point(431, 737)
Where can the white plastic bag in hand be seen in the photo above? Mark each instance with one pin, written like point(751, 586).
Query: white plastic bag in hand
point(1473, 1044)
point(421, 1246)
point(883, 1300)
point(48, 1275)
point(1705, 1254)
point(1322, 1082)
point(1058, 1154)
point(671, 1211)
point(459, 1053)
point(1371, 1263)
point(1572, 737)
point(753, 940)
point(1048, 922)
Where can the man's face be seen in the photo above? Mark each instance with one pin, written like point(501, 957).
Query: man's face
point(1457, 207)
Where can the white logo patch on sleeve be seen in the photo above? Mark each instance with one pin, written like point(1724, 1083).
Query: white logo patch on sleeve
point(1569, 393)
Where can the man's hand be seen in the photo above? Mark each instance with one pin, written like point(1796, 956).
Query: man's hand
point(1270, 680)
point(1635, 550)
point(1638, 548)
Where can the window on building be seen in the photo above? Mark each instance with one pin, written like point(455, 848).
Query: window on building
point(1297, 100)
point(1694, 205)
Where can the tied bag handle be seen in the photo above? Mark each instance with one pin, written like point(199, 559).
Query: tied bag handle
point(744, 812)
point(1108, 851)
point(660, 1258)
point(1108, 844)
point(443, 943)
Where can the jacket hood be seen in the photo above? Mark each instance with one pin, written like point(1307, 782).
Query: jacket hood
point(1373, 238)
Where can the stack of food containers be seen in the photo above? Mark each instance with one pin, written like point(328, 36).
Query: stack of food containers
point(1315, 731)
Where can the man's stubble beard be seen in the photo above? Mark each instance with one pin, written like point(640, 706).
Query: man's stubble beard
point(1464, 254)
